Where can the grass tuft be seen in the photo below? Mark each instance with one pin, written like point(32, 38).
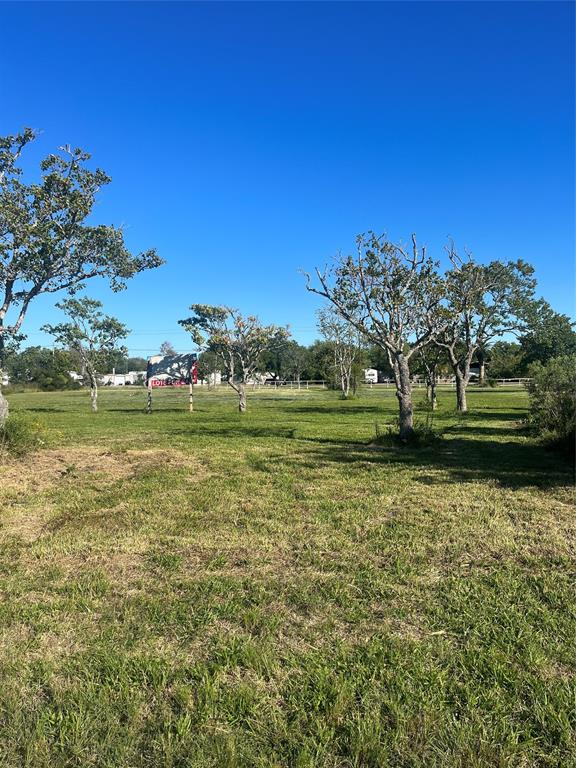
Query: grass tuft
point(425, 433)
point(21, 434)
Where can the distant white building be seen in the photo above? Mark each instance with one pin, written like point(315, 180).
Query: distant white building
point(121, 379)
point(371, 376)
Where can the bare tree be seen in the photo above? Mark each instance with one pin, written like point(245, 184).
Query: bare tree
point(45, 243)
point(345, 339)
point(239, 342)
point(167, 349)
point(389, 293)
point(482, 302)
point(430, 359)
point(92, 335)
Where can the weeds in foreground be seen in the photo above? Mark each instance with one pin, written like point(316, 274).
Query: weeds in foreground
point(425, 433)
point(21, 434)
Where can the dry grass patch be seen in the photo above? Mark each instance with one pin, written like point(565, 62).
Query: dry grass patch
point(26, 484)
point(46, 469)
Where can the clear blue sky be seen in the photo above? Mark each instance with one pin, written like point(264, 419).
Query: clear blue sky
point(248, 140)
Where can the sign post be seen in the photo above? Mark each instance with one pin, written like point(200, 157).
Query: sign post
point(172, 370)
point(149, 399)
point(193, 380)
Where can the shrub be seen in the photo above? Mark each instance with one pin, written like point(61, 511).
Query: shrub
point(553, 400)
point(21, 434)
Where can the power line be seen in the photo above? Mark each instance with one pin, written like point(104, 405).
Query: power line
point(170, 332)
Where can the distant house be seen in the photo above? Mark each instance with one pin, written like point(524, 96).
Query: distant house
point(475, 371)
point(371, 376)
point(123, 379)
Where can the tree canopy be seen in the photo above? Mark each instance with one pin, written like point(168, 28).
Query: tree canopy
point(239, 342)
point(92, 335)
point(391, 295)
point(47, 369)
point(547, 334)
point(481, 302)
point(46, 242)
point(167, 349)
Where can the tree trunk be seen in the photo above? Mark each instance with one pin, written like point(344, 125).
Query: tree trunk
point(3, 408)
point(344, 384)
point(404, 395)
point(431, 394)
point(461, 383)
point(94, 396)
point(482, 373)
point(481, 360)
point(241, 399)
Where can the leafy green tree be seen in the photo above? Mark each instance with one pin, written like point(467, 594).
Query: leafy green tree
point(135, 364)
point(208, 365)
point(318, 363)
point(548, 334)
point(239, 342)
point(46, 242)
point(285, 361)
point(391, 295)
point(92, 335)
point(552, 391)
point(47, 369)
point(505, 360)
point(482, 302)
point(293, 360)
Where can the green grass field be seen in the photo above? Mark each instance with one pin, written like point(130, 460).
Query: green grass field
point(211, 590)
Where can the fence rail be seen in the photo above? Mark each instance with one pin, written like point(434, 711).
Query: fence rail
point(302, 384)
point(323, 384)
point(451, 382)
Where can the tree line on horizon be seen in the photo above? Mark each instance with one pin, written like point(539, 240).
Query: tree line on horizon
point(552, 335)
point(388, 306)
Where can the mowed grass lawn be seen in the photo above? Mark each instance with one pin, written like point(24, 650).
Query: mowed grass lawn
point(272, 589)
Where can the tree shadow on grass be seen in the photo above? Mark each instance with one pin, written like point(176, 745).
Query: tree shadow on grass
point(340, 409)
point(508, 463)
point(140, 409)
point(508, 414)
point(480, 430)
point(241, 431)
point(43, 409)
